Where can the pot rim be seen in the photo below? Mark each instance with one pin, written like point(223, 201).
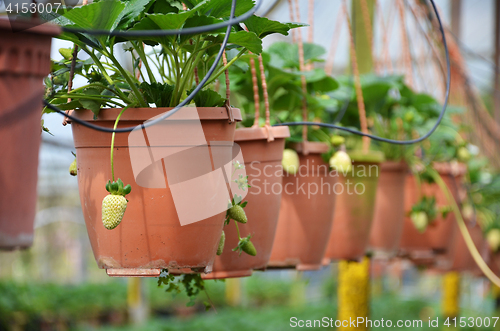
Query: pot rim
point(450, 168)
point(261, 133)
point(394, 166)
point(144, 114)
point(311, 147)
point(30, 27)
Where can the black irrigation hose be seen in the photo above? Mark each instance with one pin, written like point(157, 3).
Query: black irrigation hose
point(161, 33)
point(332, 126)
point(170, 112)
point(391, 141)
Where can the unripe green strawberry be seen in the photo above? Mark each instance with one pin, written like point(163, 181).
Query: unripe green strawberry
point(114, 204)
point(468, 211)
point(237, 213)
point(290, 161)
point(249, 248)
point(341, 162)
point(337, 140)
point(493, 239)
point(409, 116)
point(222, 240)
point(73, 170)
point(67, 53)
point(420, 220)
point(61, 79)
point(463, 154)
point(113, 209)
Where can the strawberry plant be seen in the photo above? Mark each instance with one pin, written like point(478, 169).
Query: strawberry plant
point(170, 64)
point(236, 213)
point(425, 212)
point(167, 67)
point(283, 78)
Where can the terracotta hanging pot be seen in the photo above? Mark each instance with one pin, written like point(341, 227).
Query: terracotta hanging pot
point(439, 237)
point(353, 217)
point(150, 236)
point(459, 257)
point(306, 212)
point(389, 213)
point(264, 170)
point(24, 62)
point(493, 263)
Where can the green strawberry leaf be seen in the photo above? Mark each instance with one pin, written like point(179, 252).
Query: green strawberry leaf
point(207, 98)
point(127, 189)
point(249, 40)
point(170, 21)
point(262, 26)
point(102, 15)
point(196, 21)
point(157, 93)
point(222, 8)
point(133, 9)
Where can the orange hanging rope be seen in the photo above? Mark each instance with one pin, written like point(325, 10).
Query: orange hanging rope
point(407, 60)
point(303, 78)
point(357, 82)
point(256, 97)
point(310, 37)
point(264, 89)
point(335, 41)
point(228, 92)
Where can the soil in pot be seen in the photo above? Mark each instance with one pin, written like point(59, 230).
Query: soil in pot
point(24, 62)
point(306, 212)
point(389, 214)
point(171, 181)
point(439, 237)
point(353, 217)
point(264, 170)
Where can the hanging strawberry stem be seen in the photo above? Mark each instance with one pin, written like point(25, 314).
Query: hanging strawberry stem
point(236, 212)
point(115, 203)
point(113, 143)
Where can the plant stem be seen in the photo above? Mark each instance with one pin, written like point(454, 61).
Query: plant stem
point(113, 143)
point(463, 229)
point(94, 85)
point(189, 64)
point(144, 58)
point(224, 68)
point(237, 229)
point(126, 75)
point(177, 97)
point(104, 73)
point(89, 97)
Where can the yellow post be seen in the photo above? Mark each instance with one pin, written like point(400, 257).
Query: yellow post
point(496, 295)
point(136, 300)
point(298, 291)
point(233, 291)
point(451, 294)
point(353, 292)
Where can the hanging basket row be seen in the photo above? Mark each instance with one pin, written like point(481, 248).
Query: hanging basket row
point(288, 228)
